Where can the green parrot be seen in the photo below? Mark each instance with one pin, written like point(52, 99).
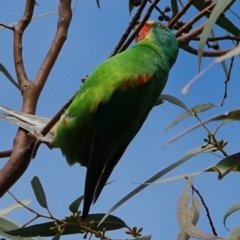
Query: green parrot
point(110, 108)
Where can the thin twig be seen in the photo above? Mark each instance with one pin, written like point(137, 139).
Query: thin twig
point(207, 210)
point(227, 80)
point(139, 27)
point(49, 125)
point(6, 26)
point(195, 19)
point(180, 14)
point(32, 210)
point(6, 153)
point(194, 51)
point(220, 38)
point(216, 143)
point(157, 8)
point(56, 117)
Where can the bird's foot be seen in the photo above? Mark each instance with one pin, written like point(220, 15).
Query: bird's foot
point(39, 138)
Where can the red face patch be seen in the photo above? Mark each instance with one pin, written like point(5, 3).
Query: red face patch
point(143, 32)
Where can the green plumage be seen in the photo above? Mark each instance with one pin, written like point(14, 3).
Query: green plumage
point(110, 108)
point(113, 104)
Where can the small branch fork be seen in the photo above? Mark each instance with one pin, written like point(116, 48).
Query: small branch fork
point(184, 40)
point(74, 220)
point(22, 150)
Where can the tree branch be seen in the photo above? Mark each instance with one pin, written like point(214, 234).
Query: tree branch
point(194, 51)
point(65, 16)
point(195, 19)
point(6, 26)
point(125, 35)
point(18, 163)
point(22, 149)
point(145, 18)
point(180, 14)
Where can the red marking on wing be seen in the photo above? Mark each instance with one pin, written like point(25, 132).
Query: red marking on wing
point(127, 83)
point(140, 79)
point(143, 32)
point(148, 77)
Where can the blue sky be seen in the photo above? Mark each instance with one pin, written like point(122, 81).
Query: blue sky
point(93, 34)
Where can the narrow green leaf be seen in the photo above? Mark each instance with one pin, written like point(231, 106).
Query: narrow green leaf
point(234, 208)
point(174, 6)
point(196, 109)
point(222, 21)
point(39, 192)
point(171, 99)
point(74, 206)
point(176, 178)
point(218, 9)
point(182, 5)
point(43, 229)
point(14, 206)
point(233, 115)
point(7, 224)
point(234, 235)
point(8, 76)
point(224, 65)
point(98, 3)
point(226, 165)
point(145, 184)
point(130, 6)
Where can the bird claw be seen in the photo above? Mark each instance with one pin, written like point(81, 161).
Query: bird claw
point(39, 138)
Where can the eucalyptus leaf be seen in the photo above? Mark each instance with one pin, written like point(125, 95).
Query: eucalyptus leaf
point(39, 192)
point(74, 206)
point(226, 165)
point(146, 183)
point(234, 208)
point(7, 210)
point(216, 12)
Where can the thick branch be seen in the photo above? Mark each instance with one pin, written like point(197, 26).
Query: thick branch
point(65, 16)
point(18, 163)
point(17, 48)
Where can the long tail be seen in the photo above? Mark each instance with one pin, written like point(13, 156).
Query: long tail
point(26, 121)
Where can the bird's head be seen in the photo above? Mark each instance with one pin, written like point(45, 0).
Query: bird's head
point(161, 36)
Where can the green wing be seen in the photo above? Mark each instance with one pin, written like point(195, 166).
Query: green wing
point(117, 123)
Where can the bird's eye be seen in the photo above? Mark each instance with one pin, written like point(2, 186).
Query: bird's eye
point(160, 25)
